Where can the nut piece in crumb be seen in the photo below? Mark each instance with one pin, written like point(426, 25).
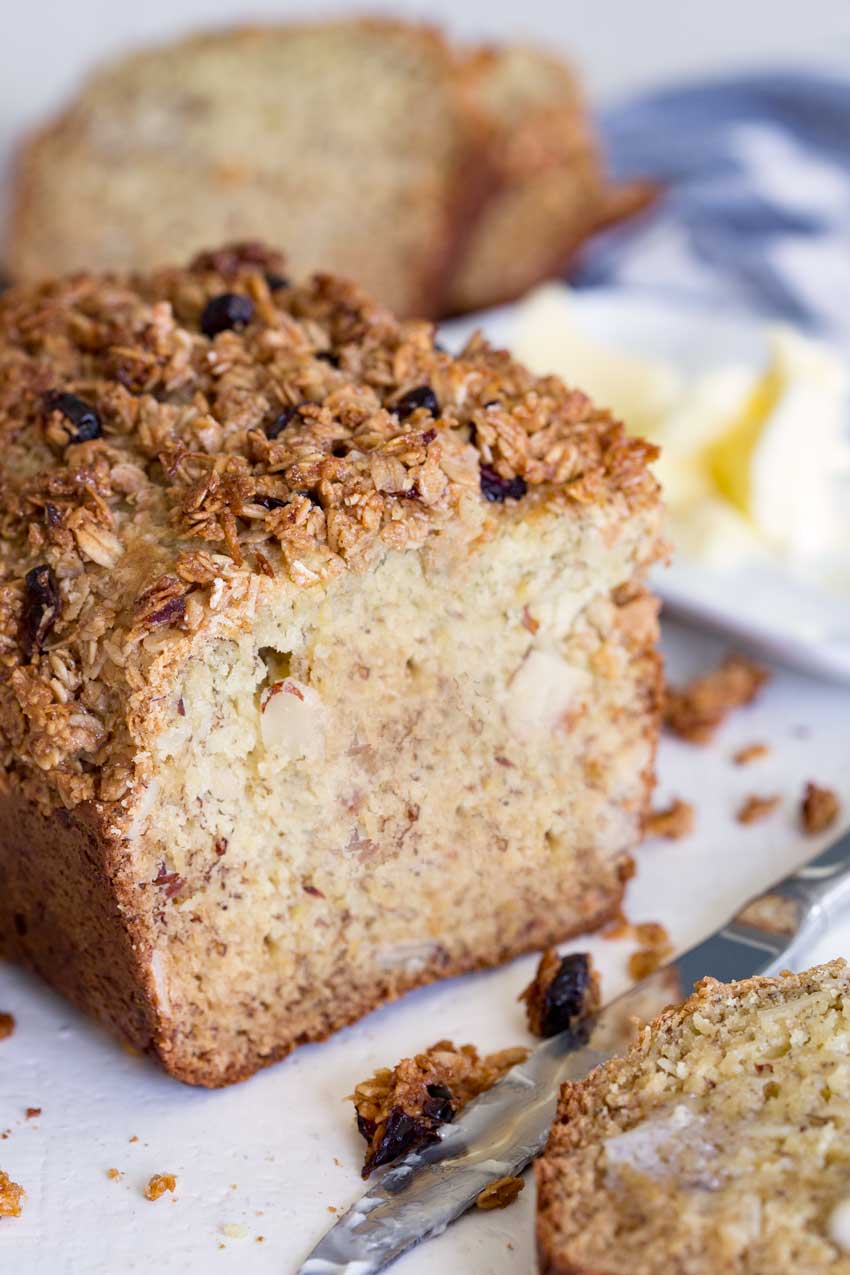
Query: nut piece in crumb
point(11, 1196)
point(402, 1108)
point(819, 809)
point(754, 808)
point(750, 753)
point(563, 993)
point(673, 822)
point(7, 1025)
point(694, 712)
point(499, 1194)
point(159, 1184)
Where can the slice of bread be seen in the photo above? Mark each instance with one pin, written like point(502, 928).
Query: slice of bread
point(552, 190)
point(355, 144)
point(440, 180)
point(328, 665)
point(718, 1144)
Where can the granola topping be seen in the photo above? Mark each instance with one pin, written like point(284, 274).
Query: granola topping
point(819, 809)
point(150, 468)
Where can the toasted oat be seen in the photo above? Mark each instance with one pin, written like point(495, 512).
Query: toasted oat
point(114, 1175)
point(11, 1196)
point(7, 1025)
point(750, 753)
point(159, 1184)
point(499, 1194)
point(563, 992)
point(755, 808)
point(672, 822)
point(655, 948)
point(402, 1107)
point(819, 809)
point(695, 711)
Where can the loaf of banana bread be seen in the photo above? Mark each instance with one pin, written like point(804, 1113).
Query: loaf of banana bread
point(328, 667)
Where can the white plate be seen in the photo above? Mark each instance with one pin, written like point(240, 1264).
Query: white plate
point(764, 606)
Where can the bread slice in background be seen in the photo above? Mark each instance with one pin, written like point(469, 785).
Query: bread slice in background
point(718, 1144)
point(552, 189)
point(441, 180)
point(353, 144)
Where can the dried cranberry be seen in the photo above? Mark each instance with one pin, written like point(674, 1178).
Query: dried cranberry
point(275, 282)
point(83, 417)
point(365, 1127)
point(401, 1134)
point(438, 1105)
point(280, 422)
point(327, 356)
point(496, 488)
point(421, 396)
point(565, 997)
point(41, 608)
point(225, 312)
point(269, 502)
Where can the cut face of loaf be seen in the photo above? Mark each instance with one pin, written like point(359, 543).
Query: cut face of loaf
point(717, 1144)
point(338, 699)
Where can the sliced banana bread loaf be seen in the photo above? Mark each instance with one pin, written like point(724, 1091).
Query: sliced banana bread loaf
point(718, 1144)
point(328, 667)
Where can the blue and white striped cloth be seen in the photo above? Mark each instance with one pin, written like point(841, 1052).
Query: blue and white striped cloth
point(755, 210)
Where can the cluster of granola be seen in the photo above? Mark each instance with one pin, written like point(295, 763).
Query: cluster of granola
point(694, 712)
point(401, 1108)
point(169, 438)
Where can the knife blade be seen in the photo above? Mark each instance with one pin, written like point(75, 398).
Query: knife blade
point(499, 1133)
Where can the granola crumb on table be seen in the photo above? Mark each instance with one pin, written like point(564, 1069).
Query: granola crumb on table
point(401, 1108)
point(11, 1197)
point(694, 712)
point(750, 753)
point(7, 1025)
point(499, 1194)
point(655, 948)
point(819, 809)
point(755, 808)
point(673, 822)
point(159, 1184)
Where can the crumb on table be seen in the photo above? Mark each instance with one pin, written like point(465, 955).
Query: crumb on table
point(159, 1184)
point(563, 992)
point(694, 711)
point(819, 809)
point(672, 822)
point(113, 1174)
point(32, 1113)
point(755, 808)
point(750, 753)
point(655, 948)
point(499, 1194)
point(7, 1025)
point(403, 1107)
point(11, 1196)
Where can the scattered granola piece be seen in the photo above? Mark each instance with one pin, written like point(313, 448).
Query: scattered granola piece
point(11, 1196)
point(819, 809)
point(32, 1113)
point(563, 992)
point(499, 1194)
point(755, 808)
point(654, 951)
point(113, 1174)
point(7, 1025)
point(619, 927)
point(159, 1184)
point(673, 822)
point(403, 1107)
point(750, 753)
point(693, 712)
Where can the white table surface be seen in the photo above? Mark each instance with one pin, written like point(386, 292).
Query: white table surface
point(273, 1155)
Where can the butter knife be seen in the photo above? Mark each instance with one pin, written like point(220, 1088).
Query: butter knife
point(504, 1129)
